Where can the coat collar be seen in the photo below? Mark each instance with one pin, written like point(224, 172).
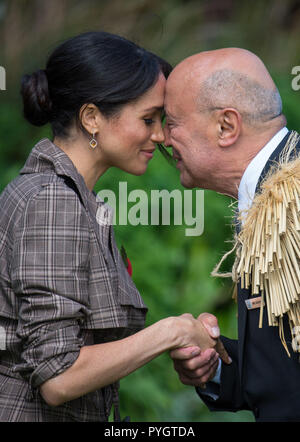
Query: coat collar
point(47, 157)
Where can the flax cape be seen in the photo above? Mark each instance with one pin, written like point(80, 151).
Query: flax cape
point(268, 245)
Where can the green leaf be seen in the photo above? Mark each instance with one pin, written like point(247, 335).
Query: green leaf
point(166, 155)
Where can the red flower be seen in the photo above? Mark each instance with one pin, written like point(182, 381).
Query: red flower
point(126, 261)
point(129, 267)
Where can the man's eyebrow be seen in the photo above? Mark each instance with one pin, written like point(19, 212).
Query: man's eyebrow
point(169, 116)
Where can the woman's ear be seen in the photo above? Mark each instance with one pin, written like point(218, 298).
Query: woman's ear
point(90, 118)
point(228, 126)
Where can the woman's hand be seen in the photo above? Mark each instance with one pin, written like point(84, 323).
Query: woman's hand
point(193, 333)
point(202, 332)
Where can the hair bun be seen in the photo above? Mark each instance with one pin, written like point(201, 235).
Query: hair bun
point(36, 100)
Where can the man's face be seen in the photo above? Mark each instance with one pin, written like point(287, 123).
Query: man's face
point(190, 133)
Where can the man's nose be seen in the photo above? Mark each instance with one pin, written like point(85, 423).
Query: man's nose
point(167, 136)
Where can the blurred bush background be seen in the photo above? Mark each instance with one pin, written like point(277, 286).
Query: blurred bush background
point(171, 270)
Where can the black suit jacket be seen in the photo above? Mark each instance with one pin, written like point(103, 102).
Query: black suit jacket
point(262, 377)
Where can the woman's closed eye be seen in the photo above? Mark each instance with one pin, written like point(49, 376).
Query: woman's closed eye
point(149, 121)
point(159, 116)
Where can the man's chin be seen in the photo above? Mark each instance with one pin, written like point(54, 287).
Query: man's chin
point(186, 181)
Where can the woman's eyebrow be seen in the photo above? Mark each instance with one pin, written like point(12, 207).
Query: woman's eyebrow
point(155, 108)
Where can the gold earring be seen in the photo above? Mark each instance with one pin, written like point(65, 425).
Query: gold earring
point(93, 142)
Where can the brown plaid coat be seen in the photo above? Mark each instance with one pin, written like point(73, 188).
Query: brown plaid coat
point(62, 285)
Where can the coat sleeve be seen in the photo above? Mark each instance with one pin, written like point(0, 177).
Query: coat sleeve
point(49, 275)
point(229, 392)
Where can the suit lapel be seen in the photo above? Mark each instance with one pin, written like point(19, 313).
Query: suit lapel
point(242, 323)
point(273, 159)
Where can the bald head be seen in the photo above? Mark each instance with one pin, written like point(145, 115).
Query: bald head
point(205, 63)
point(229, 77)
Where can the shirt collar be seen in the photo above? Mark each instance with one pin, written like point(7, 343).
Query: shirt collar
point(254, 169)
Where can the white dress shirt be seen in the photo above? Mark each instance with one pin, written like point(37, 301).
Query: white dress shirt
point(254, 169)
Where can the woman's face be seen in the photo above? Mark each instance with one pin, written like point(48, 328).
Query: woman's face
point(128, 140)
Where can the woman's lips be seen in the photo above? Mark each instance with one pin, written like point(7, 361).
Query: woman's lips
point(148, 153)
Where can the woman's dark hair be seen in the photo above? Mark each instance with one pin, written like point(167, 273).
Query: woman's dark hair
point(94, 67)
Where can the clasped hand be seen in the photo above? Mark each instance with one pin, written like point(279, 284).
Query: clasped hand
point(197, 364)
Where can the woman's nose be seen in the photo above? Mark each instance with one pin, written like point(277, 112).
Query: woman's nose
point(158, 135)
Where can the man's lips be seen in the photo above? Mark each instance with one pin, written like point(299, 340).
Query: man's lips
point(176, 155)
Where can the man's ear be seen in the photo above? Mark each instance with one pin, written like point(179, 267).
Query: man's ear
point(229, 123)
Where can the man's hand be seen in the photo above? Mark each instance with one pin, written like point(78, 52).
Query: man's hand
point(196, 367)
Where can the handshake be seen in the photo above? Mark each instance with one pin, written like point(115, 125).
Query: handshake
point(197, 364)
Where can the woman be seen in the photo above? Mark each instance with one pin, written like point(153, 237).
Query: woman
point(71, 317)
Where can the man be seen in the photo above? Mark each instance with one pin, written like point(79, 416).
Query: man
point(225, 124)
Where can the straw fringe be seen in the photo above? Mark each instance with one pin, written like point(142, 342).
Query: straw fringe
point(268, 245)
